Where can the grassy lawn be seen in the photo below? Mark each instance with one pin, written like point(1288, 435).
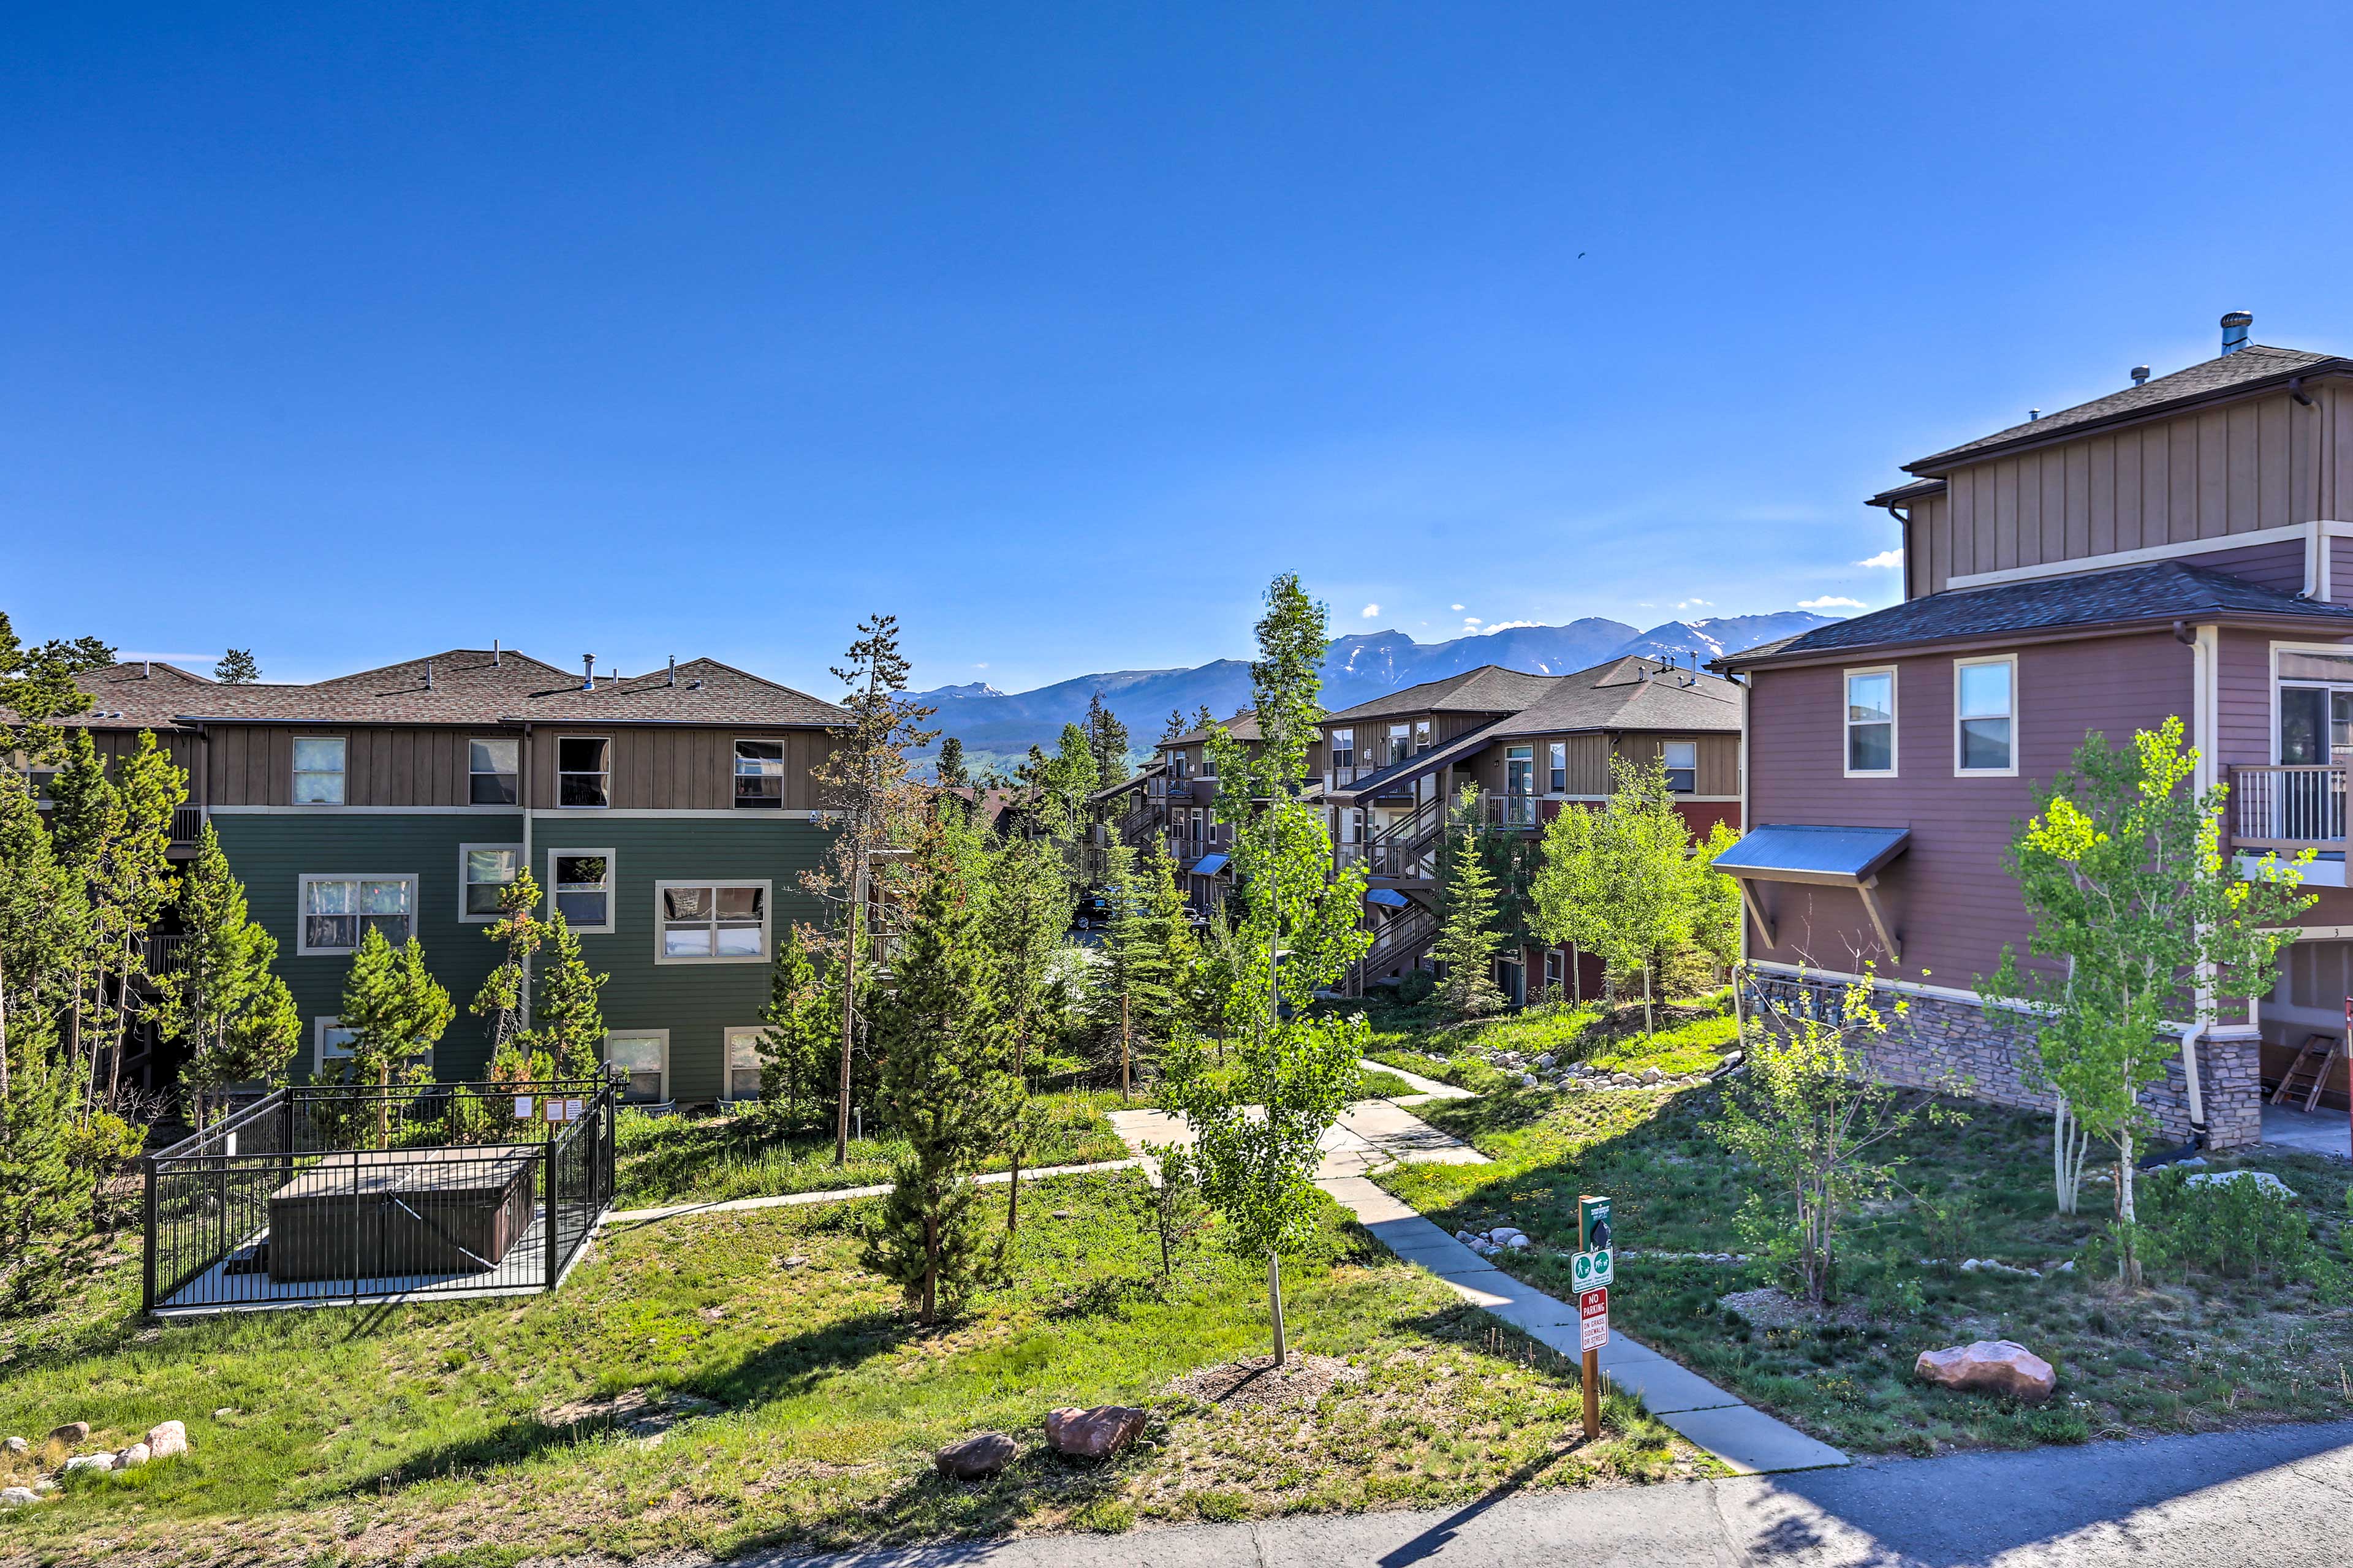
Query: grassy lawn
point(485, 1432)
point(716, 1156)
point(2195, 1351)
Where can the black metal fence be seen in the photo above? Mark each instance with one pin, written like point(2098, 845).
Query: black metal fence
point(329, 1194)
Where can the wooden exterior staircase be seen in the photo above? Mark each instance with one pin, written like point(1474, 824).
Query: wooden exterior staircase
point(2308, 1074)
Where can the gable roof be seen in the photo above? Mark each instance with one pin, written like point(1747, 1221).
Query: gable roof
point(2155, 595)
point(1489, 689)
point(1243, 726)
point(2240, 370)
point(469, 686)
point(1630, 693)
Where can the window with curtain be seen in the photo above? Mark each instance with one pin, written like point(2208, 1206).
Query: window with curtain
point(319, 768)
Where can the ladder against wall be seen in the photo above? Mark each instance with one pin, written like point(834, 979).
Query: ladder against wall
point(2308, 1074)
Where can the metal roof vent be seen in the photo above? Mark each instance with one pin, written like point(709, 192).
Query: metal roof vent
point(2140, 375)
point(428, 675)
point(673, 670)
point(587, 672)
point(2234, 330)
point(494, 653)
point(2032, 415)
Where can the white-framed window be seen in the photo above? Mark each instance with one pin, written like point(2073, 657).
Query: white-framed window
point(1209, 760)
point(1985, 716)
point(1400, 744)
point(583, 771)
point(335, 911)
point(743, 1046)
point(319, 768)
point(484, 872)
point(1556, 766)
point(710, 921)
point(494, 769)
point(641, 1058)
point(1871, 722)
point(580, 886)
point(1176, 766)
point(330, 1045)
point(1555, 968)
point(760, 775)
point(1344, 748)
point(1681, 760)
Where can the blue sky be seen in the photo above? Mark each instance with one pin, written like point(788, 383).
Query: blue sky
point(1057, 331)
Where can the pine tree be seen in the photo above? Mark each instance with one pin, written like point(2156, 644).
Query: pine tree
point(228, 1003)
point(944, 1044)
point(1202, 718)
point(950, 770)
point(505, 997)
point(793, 1047)
point(396, 1012)
point(567, 1021)
point(1466, 938)
point(1175, 727)
point(135, 885)
point(864, 784)
point(43, 912)
point(44, 1198)
point(1106, 741)
point(237, 667)
point(1028, 916)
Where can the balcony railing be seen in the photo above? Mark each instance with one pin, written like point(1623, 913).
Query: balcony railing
point(2288, 808)
point(1514, 811)
point(1341, 778)
point(187, 824)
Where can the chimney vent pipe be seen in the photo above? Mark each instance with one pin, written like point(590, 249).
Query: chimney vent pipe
point(587, 672)
point(2234, 330)
point(673, 670)
point(2140, 375)
point(494, 653)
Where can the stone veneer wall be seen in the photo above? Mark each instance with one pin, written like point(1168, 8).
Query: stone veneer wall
point(1946, 1044)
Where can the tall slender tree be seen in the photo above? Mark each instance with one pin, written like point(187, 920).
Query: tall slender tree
point(396, 1011)
point(1258, 1126)
point(567, 1018)
point(946, 1089)
point(136, 883)
point(1620, 882)
point(237, 667)
point(864, 785)
point(229, 1005)
point(793, 1047)
point(1028, 918)
point(505, 998)
point(1466, 940)
point(1106, 742)
point(950, 769)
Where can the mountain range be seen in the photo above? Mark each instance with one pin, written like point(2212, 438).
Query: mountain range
point(1361, 666)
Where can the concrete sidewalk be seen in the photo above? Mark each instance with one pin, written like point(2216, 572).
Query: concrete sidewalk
point(2271, 1497)
point(839, 1195)
point(1424, 1089)
point(1370, 1133)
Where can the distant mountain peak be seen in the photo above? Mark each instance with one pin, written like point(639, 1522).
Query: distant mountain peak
point(955, 693)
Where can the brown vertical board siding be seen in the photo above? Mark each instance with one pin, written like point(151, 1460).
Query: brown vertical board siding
point(2099, 498)
point(1719, 764)
point(2056, 541)
point(2005, 517)
point(2181, 480)
point(2276, 499)
point(2242, 508)
point(1948, 897)
point(2157, 463)
point(2212, 496)
point(2128, 454)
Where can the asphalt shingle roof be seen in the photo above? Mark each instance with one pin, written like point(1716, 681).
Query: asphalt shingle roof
point(1489, 689)
point(468, 688)
point(2159, 591)
point(1629, 694)
point(2255, 362)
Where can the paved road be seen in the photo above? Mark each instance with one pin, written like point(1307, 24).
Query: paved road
point(2278, 1497)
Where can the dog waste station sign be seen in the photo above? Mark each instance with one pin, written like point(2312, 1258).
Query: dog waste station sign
point(1592, 1271)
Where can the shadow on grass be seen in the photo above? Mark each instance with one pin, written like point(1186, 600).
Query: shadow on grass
point(788, 1367)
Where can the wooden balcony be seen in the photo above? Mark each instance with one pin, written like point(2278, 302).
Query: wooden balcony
point(2286, 808)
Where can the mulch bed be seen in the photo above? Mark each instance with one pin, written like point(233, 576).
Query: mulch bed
point(1255, 1380)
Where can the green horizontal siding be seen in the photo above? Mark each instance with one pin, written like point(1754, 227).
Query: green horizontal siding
point(270, 852)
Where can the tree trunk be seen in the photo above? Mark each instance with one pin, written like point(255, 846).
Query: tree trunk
point(849, 1006)
point(1274, 1304)
point(1649, 1028)
point(1575, 980)
point(1125, 1038)
point(382, 1104)
point(121, 1028)
point(2127, 1218)
point(3, 1032)
point(931, 1264)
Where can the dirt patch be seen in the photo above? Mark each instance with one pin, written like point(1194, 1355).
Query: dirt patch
point(1256, 1379)
point(1773, 1309)
point(640, 1413)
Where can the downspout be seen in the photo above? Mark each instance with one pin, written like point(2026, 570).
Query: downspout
point(523, 792)
point(2204, 645)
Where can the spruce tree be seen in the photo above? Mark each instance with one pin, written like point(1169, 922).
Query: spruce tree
point(505, 997)
point(1028, 917)
point(793, 1047)
point(135, 884)
point(950, 770)
point(237, 667)
point(567, 1021)
point(228, 1003)
point(1175, 727)
point(43, 912)
point(944, 1045)
point(1466, 935)
point(1107, 742)
point(45, 1201)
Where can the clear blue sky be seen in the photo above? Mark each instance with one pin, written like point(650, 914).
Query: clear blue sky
point(705, 329)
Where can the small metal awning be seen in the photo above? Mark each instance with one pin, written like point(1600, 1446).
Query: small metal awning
point(1389, 897)
point(1820, 855)
point(1210, 865)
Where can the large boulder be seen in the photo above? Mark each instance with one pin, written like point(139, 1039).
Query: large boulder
point(135, 1455)
point(976, 1458)
point(17, 1497)
point(87, 1462)
point(1095, 1432)
point(18, 1445)
point(71, 1432)
point(163, 1441)
point(1998, 1364)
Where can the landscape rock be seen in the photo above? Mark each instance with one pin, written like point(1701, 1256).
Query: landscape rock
point(17, 1497)
point(71, 1432)
point(163, 1441)
point(976, 1458)
point(1545, 1060)
point(45, 1485)
point(87, 1462)
point(225, 1412)
point(1995, 1266)
point(1095, 1432)
point(18, 1445)
point(135, 1455)
point(1652, 1075)
point(2000, 1365)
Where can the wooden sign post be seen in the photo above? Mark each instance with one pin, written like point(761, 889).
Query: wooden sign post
point(1593, 1268)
